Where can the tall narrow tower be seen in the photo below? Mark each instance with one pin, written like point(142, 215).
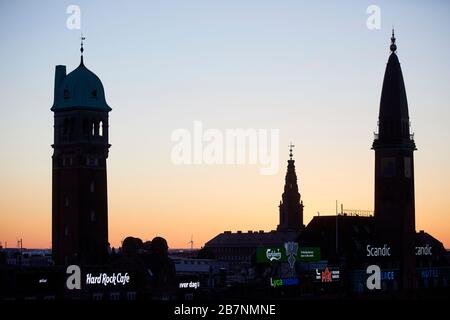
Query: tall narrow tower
point(80, 150)
point(394, 171)
point(291, 207)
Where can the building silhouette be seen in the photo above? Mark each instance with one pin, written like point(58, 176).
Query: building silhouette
point(394, 170)
point(240, 247)
point(79, 183)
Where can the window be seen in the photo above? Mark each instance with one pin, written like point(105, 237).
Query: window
point(100, 132)
point(66, 201)
point(66, 231)
point(66, 94)
point(97, 296)
point(92, 186)
point(94, 93)
point(114, 296)
point(131, 295)
point(96, 162)
point(92, 215)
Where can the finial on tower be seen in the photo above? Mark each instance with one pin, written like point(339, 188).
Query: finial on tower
point(81, 48)
point(290, 151)
point(393, 45)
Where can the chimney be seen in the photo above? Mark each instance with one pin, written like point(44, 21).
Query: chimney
point(60, 74)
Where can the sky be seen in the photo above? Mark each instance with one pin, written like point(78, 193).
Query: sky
point(312, 70)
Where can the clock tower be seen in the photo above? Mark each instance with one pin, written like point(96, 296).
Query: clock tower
point(394, 172)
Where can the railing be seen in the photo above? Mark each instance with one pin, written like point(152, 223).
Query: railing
point(356, 213)
point(376, 136)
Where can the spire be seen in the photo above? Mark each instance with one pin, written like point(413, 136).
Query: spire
point(393, 120)
point(393, 46)
point(291, 208)
point(82, 49)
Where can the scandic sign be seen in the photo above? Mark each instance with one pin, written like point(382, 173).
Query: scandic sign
point(278, 254)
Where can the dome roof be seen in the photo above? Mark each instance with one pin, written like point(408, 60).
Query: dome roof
point(80, 89)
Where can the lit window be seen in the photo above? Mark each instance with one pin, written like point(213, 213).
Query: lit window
point(92, 186)
point(66, 231)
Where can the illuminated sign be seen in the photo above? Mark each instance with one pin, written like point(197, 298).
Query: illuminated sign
point(424, 251)
point(291, 252)
point(279, 254)
point(327, 275)
point(383, 251)
point(284, 282)
point(376, 276)
point(387, 275)
point(429, 274)
point(189, 285)
point(105, 279)
point(308, 254)
point(73, 281)
point(273, 254)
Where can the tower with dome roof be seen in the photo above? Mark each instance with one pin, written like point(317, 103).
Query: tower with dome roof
point(79, 177)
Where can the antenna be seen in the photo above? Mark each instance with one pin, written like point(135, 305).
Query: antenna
point(192, 242)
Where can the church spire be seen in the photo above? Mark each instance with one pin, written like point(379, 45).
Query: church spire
point(291, 207)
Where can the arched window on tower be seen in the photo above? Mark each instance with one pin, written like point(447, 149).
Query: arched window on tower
point(95, 127)
point(100, 130)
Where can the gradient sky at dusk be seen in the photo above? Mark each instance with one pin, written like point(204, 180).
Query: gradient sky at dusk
point(314, 71)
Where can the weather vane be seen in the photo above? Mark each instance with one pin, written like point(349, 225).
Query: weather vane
point(290, 150)
point(82, 39)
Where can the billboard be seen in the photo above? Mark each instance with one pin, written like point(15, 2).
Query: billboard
point(278, 254)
